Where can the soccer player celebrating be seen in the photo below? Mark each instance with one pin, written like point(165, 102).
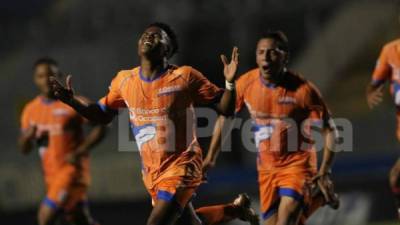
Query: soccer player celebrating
point(160, 99)
point(387, 68)
point(284, 107)
point(57, 130)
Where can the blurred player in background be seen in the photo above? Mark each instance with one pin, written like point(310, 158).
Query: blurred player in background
point(57, 131)
point(283, 105)
point(388, 69)
point(160, 99)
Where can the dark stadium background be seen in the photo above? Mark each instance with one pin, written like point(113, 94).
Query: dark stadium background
point(334, 43)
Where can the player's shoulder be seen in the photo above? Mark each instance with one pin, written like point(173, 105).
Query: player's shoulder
point(184, 69)
point(392, 44)
point(123, 74)
point(33, 103)
point(185, 73)
point(248, 77)
point(297, 82)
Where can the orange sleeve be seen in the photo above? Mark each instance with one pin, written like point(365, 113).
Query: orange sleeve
point(25, 118)
point(315, 105)
point(240, 85)
point(113, 100)
point(382, 69)
point(203, 92)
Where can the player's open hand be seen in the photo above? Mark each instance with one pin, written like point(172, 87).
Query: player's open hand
point(231, 67)
point(324, 183)
point(374, 97)
point(207, 165)
point(65, 94)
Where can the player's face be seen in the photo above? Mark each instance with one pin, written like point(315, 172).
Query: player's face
point(41, 76)
point(154, 43)
point(270, 59)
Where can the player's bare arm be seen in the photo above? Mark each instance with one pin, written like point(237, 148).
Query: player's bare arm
point(215, 145)
point(95, 135)
point(90, 111)
point(323, 179)
point(374, 95)
point(227, 104)
point(25, 140)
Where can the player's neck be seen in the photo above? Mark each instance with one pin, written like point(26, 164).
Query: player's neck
point(273, 79)
point(47, 97)
point(151, 68)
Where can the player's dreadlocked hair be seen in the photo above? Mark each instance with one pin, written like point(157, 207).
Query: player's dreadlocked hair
point(45, 60)
point(171, 34)
point(280, 38)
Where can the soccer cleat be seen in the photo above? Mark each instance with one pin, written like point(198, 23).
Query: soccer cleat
point(246, 213)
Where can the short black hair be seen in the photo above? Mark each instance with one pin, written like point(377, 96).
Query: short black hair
point(280, 38)
point(171, 34)
point(45, 60)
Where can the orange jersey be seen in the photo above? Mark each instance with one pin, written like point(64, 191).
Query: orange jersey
point(278, 113)
point(59, 132)
point(162, 117)
point(388, 68)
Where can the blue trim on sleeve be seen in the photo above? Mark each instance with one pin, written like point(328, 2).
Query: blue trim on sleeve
point(165, 195)
point(290, 193)
point(271, 211)
point(377, 82)
point(105, 108)
point(50, 203)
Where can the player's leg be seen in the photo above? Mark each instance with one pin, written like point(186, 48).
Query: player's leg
point(289, 211)
point(394, 175)
point(238, 209)
point(189, 216)
point(269, 199)
point(394, 180)
point(294, 190)
point(48, 212)
point(169, 202)
point(80, 214)
point(164, 212)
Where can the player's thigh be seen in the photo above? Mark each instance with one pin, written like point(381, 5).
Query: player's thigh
point(289, 211)
point(164, 213)
point(271, 220)
point(81, 215)
point(189, 216)
point(47, 215)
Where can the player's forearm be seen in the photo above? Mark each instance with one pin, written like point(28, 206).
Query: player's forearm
point(90, 111)
point(215, 145)
point(226, 105)
point(329, 154)
point(94, 137)
point(25, 144)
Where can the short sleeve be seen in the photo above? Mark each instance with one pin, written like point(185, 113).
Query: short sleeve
point(382, 69)
point(315, 105)
point(25, 121)
point(113, 100)
point(203, 92)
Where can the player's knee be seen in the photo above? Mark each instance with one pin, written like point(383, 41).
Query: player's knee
point(289, 205)
point(45, 216)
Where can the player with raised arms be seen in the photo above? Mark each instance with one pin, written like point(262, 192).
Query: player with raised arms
point(160, 98)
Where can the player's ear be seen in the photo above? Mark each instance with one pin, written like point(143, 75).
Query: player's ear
point(286, 60)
